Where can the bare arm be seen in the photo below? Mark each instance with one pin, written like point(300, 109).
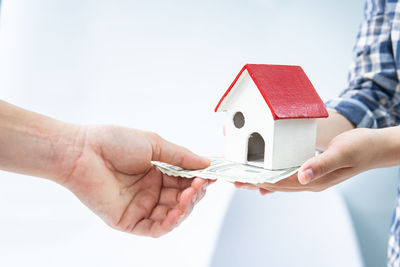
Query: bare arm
point(107, 167)
point(37, 145)
point(329, 128)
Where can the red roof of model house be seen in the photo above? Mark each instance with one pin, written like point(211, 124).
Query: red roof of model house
point(286, 89)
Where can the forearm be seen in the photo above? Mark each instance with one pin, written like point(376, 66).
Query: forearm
point(384, 143)
point(388, 150)
point(330, 127)
point(37, 145)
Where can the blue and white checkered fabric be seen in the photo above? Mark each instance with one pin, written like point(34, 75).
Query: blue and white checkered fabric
point(394, 239)
point(372, 98)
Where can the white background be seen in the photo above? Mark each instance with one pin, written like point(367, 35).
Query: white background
point(155, 65)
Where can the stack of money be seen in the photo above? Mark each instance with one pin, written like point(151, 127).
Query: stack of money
point(222, 169)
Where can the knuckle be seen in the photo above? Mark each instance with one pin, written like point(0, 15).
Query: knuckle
point(178, 195)
point(122, 225)
point(119, 227)
point(321, 167)
point(155, 137)
point(343, 151)
point(156, 143)
point(179, 159)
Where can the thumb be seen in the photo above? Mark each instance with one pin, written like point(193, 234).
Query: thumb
point(168, 152)
point(319, 166)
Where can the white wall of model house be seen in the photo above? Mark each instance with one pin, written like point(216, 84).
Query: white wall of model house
point(256, 138)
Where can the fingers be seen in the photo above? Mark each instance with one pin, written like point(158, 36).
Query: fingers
point(335, 171)
point(320, 165)
point(245, 186)
point(190, 197)
point(197, 191)
point(169, 196)
point(156, 228)
point(263, 191)
point(323, 182)
point(173, 207)
point(187, 200)
point(248, 186)
point(182, 183)
point(168, 152)
point(176, 182)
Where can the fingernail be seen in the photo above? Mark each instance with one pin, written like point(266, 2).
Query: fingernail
point(306, 176)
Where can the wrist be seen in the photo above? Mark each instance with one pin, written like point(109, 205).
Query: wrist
point(37, 145)
point(68, 144)
point(329, 128)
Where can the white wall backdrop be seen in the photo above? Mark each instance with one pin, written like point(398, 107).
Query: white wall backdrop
point(156, 65)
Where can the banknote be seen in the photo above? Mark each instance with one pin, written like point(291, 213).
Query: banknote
point(222, 169)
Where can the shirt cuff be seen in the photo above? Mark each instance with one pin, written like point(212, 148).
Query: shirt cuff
point(354, 110)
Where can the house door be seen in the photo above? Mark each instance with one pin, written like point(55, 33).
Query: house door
point(255, 148)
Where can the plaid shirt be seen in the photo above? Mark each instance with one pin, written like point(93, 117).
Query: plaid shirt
point(372, 98)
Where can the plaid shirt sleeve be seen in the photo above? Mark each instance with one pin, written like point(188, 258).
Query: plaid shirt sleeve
point(372, 98)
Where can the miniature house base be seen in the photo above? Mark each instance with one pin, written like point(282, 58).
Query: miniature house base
point(254, 136)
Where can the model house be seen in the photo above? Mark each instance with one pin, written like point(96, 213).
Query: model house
point(271, 116)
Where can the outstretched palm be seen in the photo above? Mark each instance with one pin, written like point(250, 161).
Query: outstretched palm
point(113, 176)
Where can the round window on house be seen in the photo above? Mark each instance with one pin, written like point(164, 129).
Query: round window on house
point(238, 120)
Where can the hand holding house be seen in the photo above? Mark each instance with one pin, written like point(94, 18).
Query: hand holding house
point(271, 116)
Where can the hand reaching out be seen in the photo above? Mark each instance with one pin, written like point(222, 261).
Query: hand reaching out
point(348, 154)
point(113, 176)
point(107, 167)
